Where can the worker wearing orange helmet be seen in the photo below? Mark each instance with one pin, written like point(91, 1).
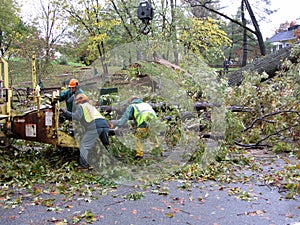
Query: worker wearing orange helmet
point(95, 126)
point(70, 94)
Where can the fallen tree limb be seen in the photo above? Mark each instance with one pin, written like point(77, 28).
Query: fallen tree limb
point(251, 145)
point(273, 134)
point(260, 146)
point(269, 115)
point(269, 64)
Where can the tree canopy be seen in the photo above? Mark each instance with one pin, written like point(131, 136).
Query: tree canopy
point(89, 29)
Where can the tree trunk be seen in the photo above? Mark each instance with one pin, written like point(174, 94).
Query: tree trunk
point(101, 51)
point(245, 39)
point(174, 31)
point(269, 64)
point(258, 34)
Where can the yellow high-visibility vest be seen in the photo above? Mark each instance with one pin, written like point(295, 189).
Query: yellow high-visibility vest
point(90, 112)
point(143, 112)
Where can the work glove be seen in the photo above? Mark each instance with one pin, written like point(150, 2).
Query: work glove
point(63, 110)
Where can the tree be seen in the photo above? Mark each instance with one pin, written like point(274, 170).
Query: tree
point(52, 25)
point(204, 36)
point(173, 23)
point(256, 26)
point(29, 43)
point(174, 30)
point(206, 4)
point(240, 50)
point(10, 25)
point(245, 42)
point(89, 17)
point(130, 28)
point(164, 26)
point(297, 33)
point(124, 11)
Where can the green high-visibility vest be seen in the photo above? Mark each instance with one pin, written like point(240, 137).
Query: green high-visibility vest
point(90, 113)
point(143, 112)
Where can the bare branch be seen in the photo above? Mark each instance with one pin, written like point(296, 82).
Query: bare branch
point(194, 3)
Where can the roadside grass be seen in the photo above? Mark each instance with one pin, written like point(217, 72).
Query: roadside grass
point(20, 73)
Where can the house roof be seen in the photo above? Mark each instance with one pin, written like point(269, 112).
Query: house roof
point(285, 35)
point(282, 36)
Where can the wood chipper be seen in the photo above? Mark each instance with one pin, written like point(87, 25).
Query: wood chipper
point(40, 124)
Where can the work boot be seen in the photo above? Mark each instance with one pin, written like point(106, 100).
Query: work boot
point(139, 149)
point(83, 165)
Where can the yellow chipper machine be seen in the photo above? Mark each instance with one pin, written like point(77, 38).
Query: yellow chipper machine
point(38, 124)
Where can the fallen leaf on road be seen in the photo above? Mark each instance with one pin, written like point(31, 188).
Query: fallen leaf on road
point(170, 215)
point(134, 211)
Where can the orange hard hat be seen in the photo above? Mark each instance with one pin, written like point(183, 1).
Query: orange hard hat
point(73, 83)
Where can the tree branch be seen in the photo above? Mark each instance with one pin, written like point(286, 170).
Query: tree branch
point(269, 115)
point(122, 19)
point(250, 145)
point(275, 133)
point(194, 3)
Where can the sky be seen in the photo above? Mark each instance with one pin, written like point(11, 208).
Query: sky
point(288, 11)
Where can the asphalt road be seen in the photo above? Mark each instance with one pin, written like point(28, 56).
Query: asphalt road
point(176, 202)
point(168, 204)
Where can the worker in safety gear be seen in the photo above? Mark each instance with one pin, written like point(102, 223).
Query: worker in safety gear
point(95, 126)
point(141, 113)
point(70, 94)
